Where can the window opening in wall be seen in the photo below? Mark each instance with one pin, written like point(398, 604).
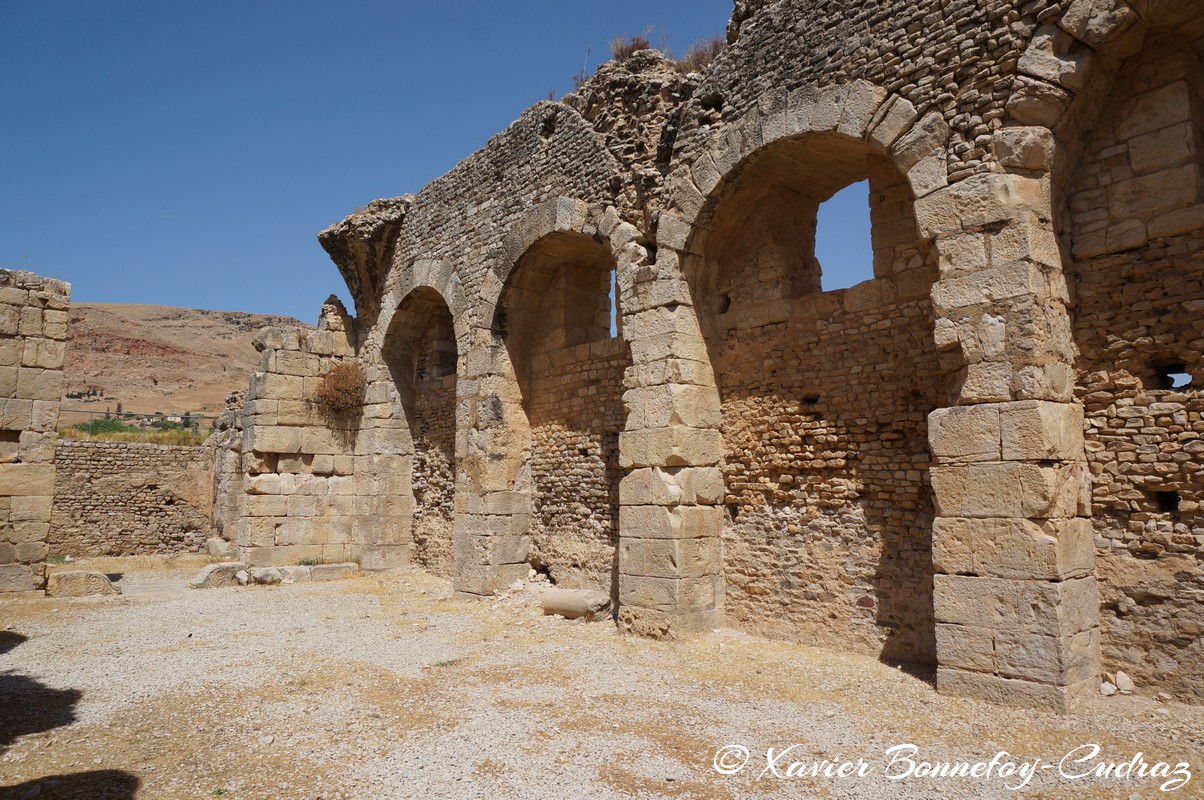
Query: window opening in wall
point(843, 242)
point(614, 303)
point(1168, 502)
point(1173, 376)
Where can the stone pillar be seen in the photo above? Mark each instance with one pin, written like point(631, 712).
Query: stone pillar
point(493, 489)
point(1017, 616)
point(33, 330)
point(671, 513)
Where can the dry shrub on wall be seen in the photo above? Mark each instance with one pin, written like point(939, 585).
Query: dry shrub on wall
point(701, 55)
point(622, 48)
point(342, 389)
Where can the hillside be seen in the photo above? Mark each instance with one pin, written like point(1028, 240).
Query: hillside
point(158, 358)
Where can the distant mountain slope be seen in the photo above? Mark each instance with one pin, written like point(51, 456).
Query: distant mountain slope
point(159, 358)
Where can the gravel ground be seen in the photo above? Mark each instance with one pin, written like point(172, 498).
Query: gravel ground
point(388, 687)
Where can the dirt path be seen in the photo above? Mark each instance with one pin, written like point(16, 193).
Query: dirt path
point(387, 687)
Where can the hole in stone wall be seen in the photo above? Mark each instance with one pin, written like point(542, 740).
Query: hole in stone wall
point(725, 303)
point(1167, 502)
point(549, 125)
point(810, 399)
point(1171, 375)
point(10, 443)
point(843, 240)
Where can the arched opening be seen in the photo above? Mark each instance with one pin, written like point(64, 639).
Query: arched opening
point(420, 353)
point(825, 397)
point(557, 319)
point(1132, 203)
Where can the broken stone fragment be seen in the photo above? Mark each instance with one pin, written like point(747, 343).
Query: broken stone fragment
point(79, 583)
point(216, 575)
point(576, 603)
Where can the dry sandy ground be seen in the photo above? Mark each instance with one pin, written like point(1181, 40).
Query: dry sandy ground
point(388, 687)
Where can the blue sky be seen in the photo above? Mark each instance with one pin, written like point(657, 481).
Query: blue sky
point(187, 153)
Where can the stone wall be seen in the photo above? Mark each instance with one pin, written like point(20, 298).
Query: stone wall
point(1136, 229)
point(789, 457)
point(33, 329)
point(576, 414)
point(126, 499)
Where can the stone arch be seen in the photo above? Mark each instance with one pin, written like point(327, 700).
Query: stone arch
point(551, 314)
point(420, 354)
point(407, 442)
point(824, 396)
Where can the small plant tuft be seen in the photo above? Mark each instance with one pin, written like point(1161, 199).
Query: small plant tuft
point(701, 55)
point(624, 47)
point(310, 562)
point(342, 389)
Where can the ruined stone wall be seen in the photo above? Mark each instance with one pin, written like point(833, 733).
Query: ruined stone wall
point(830, 515)
point(577, 413)
point(1136, 228)
point(301, 499)
point(33, 329)
point(434, 474)
point(127, 499)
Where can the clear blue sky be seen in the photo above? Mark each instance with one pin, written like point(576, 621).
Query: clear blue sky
point(186, 154)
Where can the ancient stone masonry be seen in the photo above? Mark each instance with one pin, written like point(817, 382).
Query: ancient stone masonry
point(33, 329)
point(1135, 226)
point(124, 499)
point(601, 347)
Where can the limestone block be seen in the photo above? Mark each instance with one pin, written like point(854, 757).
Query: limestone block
point(988, 286)
point(1148, 194)
point(828, 107)
point(860, 106)
point(30, 323)
point(493, 549)
point(17, 480)
point(16, 414)
point(217, 575)
point(34, 383)
point(334, 571)
point(1063, 608)
point(79, 583)
point(1057, 660)
point(1054, 492)
point(45, 416)
point(895, 120)
point(30, 509)
point(1013, 692)
point(32, 552)
point(23, 532)
point(1173, 223)
point(266, 505)
point(928, 136)
point(1097, 22)
point(10, 322)
point(272, 386)
point(965, 433)
point(1051, 57)
point(672, 486)
point(705, 174)
point(979, 201)
point(661, 321)
point(1038, 430)
point(673, 232)
point(670, 558)
point(1037, 102)
point(1025, 147)
point(966, 647)
point(263, 484)
point(673, 446)
point(266, 576)
point(19, 578)
point(977, 490)
point(663, 522)
point(278, 338)
point(659, 594)
point(1162, 149)
point(272, 439)
point(929, 174)
point(1013, 548)
point(663, 406)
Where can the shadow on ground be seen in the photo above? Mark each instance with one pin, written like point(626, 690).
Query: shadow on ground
point(108, 784)
point(28, 706)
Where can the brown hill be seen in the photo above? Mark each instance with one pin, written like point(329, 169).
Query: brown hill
point(158, 358)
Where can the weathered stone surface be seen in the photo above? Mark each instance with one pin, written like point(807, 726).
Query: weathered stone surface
point(218, 575)
point(79, 583)
point(576, 603)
